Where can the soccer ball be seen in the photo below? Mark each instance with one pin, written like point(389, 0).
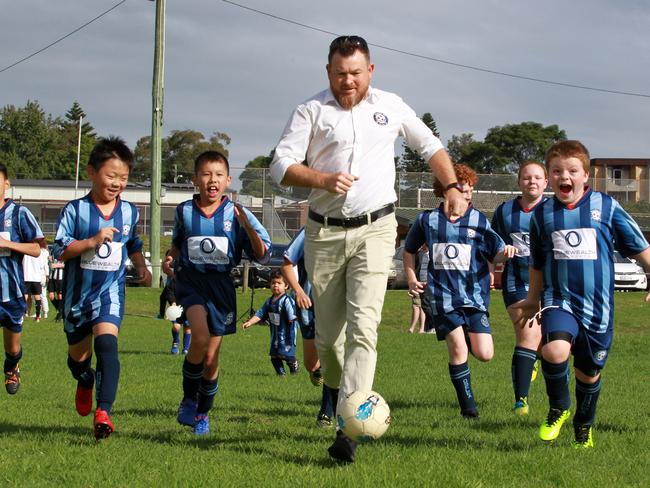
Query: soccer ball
point(363, 416)
point(173, 312)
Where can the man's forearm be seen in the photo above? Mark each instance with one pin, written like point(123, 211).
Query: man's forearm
point(301, 175)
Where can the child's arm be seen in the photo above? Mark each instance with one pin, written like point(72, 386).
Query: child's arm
point(643, 258)
point(30, 248)
point(415, 287)
point(169, 260)
point(252, 321)
point(530, 306)
point(302, 299)
point(77, 248)
point(257, 245)
point(144, 276)
point(508, 252)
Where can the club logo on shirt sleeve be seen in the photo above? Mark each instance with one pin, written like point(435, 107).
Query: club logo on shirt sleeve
point(380, 118)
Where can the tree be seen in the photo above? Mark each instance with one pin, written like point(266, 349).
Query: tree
point(30, 141)
point(411, 161)
point(258, 183)
point(69, 131)
point(179, 150)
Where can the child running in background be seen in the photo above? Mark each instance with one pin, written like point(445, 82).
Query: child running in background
point(19, 236)
point(458, 282)
point(210, 234)
point(294, 271)
point(279, 311)
point(511, 221)
point(95, 235)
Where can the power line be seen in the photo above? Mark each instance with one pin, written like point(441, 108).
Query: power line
point(450, 63)
point(62, 38)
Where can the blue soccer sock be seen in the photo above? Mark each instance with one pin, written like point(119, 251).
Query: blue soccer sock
point(175, 335)
point(192, 374)
point(81, 371)
point(326, 402)
point(460, 378)
point(207, 390)
point(187, 340)
point(108, 370)
point(12, 361)
point(278, 366)
point(557, 384)
point(292, 364)
point(586, 400)
point(523, 361)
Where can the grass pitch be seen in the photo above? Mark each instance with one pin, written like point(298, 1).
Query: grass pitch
point(264, 430)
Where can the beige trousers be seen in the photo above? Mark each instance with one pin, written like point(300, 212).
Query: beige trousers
point(348, 269)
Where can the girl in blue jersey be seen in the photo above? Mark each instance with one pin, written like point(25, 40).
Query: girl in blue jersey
point(294, 271)
point(210, 234)
point(95, 235)
point(458, 282)
point(19, 236)
point(572, 240)
point(511, 221)
point(279, 310)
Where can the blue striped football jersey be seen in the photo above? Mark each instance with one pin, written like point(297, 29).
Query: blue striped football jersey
point(512, 222)
point(295, 253)
point(573, 247)
point(213, 243)
point(93, 283)
point(458, 272)
point(280, 314)
point(17, 224)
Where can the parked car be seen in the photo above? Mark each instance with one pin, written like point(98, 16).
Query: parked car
point(396, 275)
point(628, 275)
point(131, 275)
point(259, 274)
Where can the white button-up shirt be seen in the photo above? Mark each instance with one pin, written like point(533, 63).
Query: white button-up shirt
point(359, 141)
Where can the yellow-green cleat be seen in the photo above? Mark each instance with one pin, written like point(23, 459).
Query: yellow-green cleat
point(550, 429)
point(584, 437)
point(521, 407)
point(533, 375)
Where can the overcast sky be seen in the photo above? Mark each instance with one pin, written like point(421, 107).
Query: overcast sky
point(231, 70)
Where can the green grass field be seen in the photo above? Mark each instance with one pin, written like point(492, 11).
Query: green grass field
point(265, 432)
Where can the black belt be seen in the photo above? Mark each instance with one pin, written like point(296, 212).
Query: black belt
point(351, 222)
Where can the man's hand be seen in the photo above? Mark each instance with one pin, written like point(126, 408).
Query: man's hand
point(339, 182)
point(528, 309)
point(455, 204)
point(302, 300)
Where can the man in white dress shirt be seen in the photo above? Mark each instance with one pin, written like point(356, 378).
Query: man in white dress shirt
point(340, 143)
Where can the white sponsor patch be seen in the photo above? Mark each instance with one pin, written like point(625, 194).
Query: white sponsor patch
point(208, 250)
point(274, 318)
point(521, 240)
point(107, 257)
point(575, 244)
point(452, 256)
point(7, 236)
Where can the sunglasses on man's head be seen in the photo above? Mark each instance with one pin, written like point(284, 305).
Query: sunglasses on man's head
point(341, 41)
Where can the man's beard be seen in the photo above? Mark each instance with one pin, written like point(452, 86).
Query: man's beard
point(349, 101)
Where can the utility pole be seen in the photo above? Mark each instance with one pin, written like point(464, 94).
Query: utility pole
point(156, 142)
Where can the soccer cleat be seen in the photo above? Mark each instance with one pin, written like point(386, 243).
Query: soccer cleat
point(83, 399)
point(521, 407)
point(202, 424)
point(187, 412)
point(584, 436)
point(102, 424)
point(12, 380)
point(533, 375)
point(324, 421)
point(316, 378)
point(174, 348)
point(184, 352)
point(470, 414)
point(550, 429)
point(343, 449)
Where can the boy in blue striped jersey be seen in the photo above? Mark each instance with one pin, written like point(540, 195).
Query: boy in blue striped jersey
point(511, 221)
point(209, 236)
point(19, 235)
point(294, 271)
point(95, 235)
point(458, 281)
point(279, 310)
point(572, 240)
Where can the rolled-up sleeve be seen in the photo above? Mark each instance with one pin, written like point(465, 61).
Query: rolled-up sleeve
point(292, 148)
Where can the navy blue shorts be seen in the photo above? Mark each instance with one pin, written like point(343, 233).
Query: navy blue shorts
point(470, 319)
point(76, 333)
point(12, 314)
point(216, 293)
point(306, 320)
point(590, 349)
point(513, 297)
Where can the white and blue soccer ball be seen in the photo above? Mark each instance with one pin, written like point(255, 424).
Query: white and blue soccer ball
point(173, 312)
point(363, 416)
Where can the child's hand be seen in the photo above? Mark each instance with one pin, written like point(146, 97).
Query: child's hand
point(302, 300)
point(647, 298)
point(241, 215)
point(416, 287)
point(144, 276)
point(246, 325)
point(528, 310)
point(167, 266)
point(3, 242)
point(509, 251)
point(104, 235)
